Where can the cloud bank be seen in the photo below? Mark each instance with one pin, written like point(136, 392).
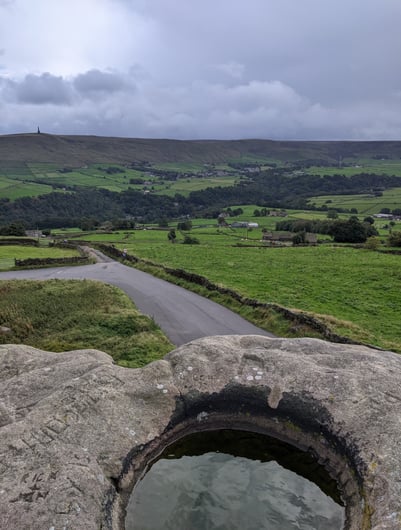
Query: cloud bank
point(167, 68)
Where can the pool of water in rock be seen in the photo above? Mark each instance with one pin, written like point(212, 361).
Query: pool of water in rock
point(229, 480)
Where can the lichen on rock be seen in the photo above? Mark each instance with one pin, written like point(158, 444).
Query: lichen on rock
point(76, 431)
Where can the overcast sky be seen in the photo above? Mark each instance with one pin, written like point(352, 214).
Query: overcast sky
point(189, 69)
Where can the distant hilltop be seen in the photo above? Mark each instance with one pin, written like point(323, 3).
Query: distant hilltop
point(81, 150)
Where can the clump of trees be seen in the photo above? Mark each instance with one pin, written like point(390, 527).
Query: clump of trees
point(332, 214)
point(395, 211)
point(263, 212)
point(315, 226)
point(394, 239)
point(184, 226)
point(88, 224)
point(372, 243)
point(299, 238)
point(352, 231)
point(13, 229)
point(122, 224)
point(343, 231)
point(234, 212)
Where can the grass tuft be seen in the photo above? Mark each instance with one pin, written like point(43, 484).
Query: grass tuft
point(61, 315)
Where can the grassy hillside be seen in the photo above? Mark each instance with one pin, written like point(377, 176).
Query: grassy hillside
point(80, 150)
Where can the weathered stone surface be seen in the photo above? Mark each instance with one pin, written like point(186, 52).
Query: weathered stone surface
point(76, 431)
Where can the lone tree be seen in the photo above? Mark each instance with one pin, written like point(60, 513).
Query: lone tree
point(332, 214)
point(394, 239)
point(171, 236)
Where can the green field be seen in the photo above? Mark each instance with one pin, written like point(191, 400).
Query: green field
point(365, 204)
point(388, 167)
point(183, 167)
point(356, 292)
point(60, 315)
point(184, 186)
point(12, 189)
point(10, 252)
point(18, 180)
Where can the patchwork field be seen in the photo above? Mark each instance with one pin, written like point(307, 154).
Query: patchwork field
point(29, 180)
point(51, 163)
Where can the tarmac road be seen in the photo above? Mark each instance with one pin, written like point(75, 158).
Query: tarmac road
point(181, 314)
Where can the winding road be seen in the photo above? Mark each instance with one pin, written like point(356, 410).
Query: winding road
point(181, 314)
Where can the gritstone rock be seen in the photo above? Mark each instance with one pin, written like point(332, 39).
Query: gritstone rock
point(76, 430)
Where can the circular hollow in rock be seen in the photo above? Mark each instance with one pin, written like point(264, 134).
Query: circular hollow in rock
point(224, 413)
point(232, 479)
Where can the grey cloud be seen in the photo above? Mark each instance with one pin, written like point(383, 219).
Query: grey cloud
point(95, 81)
point(42, 89)
point(49, 89)
point(207, 110)
point(267, 68)
point(232, 68)
point(335, 52)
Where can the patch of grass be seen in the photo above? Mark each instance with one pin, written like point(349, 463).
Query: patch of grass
point(185, 186)
point(61, 315)
point(365, 204)
point(14, 189)
point(10, 252)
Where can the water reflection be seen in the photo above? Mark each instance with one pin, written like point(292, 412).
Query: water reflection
point(223, 491)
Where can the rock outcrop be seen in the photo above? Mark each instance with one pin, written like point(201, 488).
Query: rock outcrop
point(77, 431)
